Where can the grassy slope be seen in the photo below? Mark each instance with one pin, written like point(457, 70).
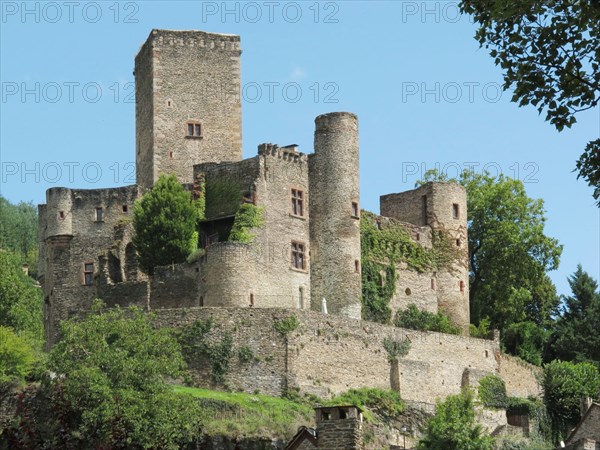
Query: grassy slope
point(246, 415)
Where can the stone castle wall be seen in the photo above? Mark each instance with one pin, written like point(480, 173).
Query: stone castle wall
point(329, 354)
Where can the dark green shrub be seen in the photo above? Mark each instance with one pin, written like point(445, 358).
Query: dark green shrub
point(416, 319)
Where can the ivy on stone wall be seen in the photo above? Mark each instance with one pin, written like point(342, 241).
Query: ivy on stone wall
point(492, 391)
point(417, 319)
point(223, 197)
point(194, 342)
point(247, 217)
point(382, 249)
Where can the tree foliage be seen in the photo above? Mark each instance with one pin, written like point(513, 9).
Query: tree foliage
point(565, 384)
point(110, 388)
point(17, 356)
point(165, 221)
point(509, 253)
point(576, 337)
point(453, 427)
point(18, 231)
point(416, 319)
point(548, 53)
point(21, 306)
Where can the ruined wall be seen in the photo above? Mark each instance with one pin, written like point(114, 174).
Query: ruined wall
point(334, 226)
point(74, 236)
point(175, 286)
point(443, 208)
point(187, 76)
point(522, 379)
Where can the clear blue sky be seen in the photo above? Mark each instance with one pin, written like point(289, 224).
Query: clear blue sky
point(424, 92)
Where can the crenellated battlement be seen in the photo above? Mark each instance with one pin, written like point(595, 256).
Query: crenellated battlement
point(191, 38)
point(285, 153)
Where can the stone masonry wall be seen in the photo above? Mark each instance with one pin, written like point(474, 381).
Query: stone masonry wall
point(521, 378)
point(195, 76)
point(329, 354)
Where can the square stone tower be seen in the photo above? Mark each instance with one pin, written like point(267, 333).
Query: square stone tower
point(188, 105)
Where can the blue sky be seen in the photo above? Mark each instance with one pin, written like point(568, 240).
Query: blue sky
point(426, 96)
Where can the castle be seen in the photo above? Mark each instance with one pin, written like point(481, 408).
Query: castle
point(305, 258)
point(308, 248)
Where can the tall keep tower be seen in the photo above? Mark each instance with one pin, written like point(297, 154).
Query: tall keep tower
point(335, 215)
point(188, 105)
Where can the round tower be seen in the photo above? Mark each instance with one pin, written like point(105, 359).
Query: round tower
point(447, 216)
point(335, 215)
point(59, 217)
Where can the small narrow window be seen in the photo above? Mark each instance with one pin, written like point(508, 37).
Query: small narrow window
point(301, 298)
point(455, 211)
point(190, 129)
point(433, 283)
point(357, 266)
point(458, 242)
point(169, 103)
point(298, 256)
point(197, 130)
point(418, 236)
point(88, 273)
point(61, 215)
point(297, 202)
point(201, 301)
point(125, 208)
point(462, 287)
point(343, 414)
point(355, 210)
point(99, 214)
point(171, 155)
point(251, 300)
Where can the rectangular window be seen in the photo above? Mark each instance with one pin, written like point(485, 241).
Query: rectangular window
point(298, 256)
point(300, 298)
point(99, 215)
point(355, 210)
point(251, 300)
point(298, 202)
point(357, 266)
point(88, 273)
point(125, 208)
point(455, 211)
point(61, 215)
point(194, 129)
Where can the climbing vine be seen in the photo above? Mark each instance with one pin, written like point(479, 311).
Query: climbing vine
point(223, 197)
point(194, 342)
point(247, 217)
point(382, 248)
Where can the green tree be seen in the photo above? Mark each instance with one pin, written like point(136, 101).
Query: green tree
point(526, 340)
point(110, 388)
point(453, 427)
point(509, 254)
point(564, 384)
point(548, 52)
point(18, 231)
point(17, 356)
point(576, 336)
point(21, 305)
point(165, 222)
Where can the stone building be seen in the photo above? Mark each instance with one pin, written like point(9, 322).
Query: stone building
point(338, 428)
point(306, 253)
point(586, 435)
